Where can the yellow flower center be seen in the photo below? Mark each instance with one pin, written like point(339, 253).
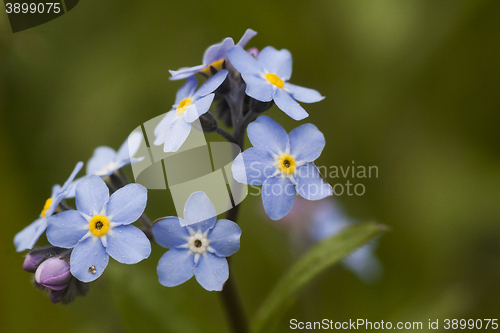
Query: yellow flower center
point(286, 164)
point(46, 206)
point(99, 225)
point(183, 105)
point(275, 79)
point(216, 64)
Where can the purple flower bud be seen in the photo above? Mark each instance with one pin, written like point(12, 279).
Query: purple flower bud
point(253, 51)
point(53, 273)
point(32, 262)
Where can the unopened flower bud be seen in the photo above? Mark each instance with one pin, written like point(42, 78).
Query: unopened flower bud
point(32, 262)
point(208, 122)
point(258, 106)
point(253, 51)
point(53, 273)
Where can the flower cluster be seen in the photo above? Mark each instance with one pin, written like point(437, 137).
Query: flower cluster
point(241, 84)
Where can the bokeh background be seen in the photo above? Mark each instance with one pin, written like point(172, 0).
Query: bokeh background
point(411, 87)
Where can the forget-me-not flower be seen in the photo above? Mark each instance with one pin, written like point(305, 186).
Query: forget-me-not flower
point(266, 79)
point(282, 164)
point(189, 105)
point(214, 57)
point(100, 227)
point(328, 220)
point(196, 248)
point(27, 238)
point(106, 160)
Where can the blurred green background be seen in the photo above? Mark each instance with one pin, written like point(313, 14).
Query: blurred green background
point(411, 87)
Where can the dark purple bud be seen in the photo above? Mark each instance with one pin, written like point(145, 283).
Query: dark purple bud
point(53, 273)
point(32, 262)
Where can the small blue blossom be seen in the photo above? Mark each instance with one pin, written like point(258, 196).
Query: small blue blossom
point(100, 227)
point(189, 105)
point(214, 56)
point(105, 160)
point(27, 238)
point(266, 79)
point(327, 221)
point(282, 163)
point(196, 248)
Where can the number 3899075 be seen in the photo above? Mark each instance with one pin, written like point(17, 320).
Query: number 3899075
point(40, 8)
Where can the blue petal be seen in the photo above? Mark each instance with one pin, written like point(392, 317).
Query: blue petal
point(26, 238)
point(249, 34)
point(217, 51)
point(199, 208)
point(276, 62)
point(92, 194)
point(102, 157)
point(258, 87)
point(169, 233)
point(302, 94)
point(175, 267)
point(225, 238)
point(288, 105)
point(88, 254)
point(306, 143)
point(176, 134)
point(265, 133)
point(211, 84)
point(201, 106)
point(66, 229)
point(278, 194)
point(129, 148)
point(253, 166)
point(161, 130)
point(244, 62)
point(186, 90)
point(310, 183)
point(59, 193)
point(127, 244)
point(127, 204)
point(211, 271)
point(185, 72)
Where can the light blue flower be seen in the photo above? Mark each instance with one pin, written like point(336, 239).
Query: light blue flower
point(327, 221)
point(27, 238)
point(196, 248)
point(105, 160)
point(266, 79)
point(189, 105)
point(282, 164)
point(100, 227)
point(214, 57)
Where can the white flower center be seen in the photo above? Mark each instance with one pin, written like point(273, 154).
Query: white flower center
point(198, 242)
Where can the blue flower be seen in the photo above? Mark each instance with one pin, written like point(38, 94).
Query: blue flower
point(214, 57)
point(101, 228)
point(282, 163)
point(27, 238)
point(197, 248)
point(106, 160)
point(189, 105)
point(266, 79)
point(327, 221)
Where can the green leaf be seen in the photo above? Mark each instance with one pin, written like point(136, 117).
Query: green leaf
point(315, 261)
